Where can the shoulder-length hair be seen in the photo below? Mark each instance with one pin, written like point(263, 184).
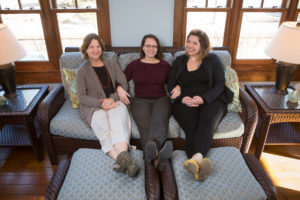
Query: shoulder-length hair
point(159, 54)
point(87, 41)
point(203, 40)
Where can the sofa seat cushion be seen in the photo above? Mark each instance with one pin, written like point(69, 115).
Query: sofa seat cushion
point(230, 177)
point(91, 176)
point(231, 126)
point(68, 123)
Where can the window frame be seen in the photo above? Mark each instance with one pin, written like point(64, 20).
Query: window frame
point(234, 15)
point(50, 28)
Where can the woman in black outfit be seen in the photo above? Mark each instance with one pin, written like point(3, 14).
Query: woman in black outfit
point(197, 88)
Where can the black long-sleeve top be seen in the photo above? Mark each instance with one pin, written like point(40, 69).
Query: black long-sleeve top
point(212, 68)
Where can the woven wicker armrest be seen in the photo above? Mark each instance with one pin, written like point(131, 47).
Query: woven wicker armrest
point(168, 181)
point(52, 103)
point(260, 175)
point(152, 185)
point(57, 180)
point(250, 117)
point(46, 111)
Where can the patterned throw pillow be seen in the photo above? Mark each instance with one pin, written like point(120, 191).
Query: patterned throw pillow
point(70, 78)
point(232, 82)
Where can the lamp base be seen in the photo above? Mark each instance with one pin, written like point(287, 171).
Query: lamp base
point(284, 75)
point(280, 92)
point(8, 79)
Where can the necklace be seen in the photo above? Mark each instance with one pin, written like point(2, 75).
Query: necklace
point(108, 79)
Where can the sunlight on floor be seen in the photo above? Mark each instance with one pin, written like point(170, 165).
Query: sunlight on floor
point(285, 170)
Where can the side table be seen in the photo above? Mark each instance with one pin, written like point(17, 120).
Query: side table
point(274, 108)
point(17, 119)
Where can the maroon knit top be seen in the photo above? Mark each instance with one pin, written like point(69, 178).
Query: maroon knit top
point(149, 79)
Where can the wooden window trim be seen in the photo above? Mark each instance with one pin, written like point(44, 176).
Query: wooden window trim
point(264, 68)
point(49, 22)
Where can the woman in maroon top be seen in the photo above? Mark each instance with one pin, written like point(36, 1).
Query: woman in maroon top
point(150, 107)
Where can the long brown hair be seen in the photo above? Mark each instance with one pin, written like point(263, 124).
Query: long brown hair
point(203, 40)
point(87, 41)
point(159, 54)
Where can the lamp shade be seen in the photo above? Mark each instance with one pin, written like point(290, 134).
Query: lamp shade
point(285, 45)
point(10, 48)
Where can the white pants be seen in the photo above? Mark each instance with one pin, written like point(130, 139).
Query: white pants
point(112, 126)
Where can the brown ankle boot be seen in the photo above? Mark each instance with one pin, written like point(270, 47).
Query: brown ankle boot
point(123, 159)
point(125, 164)
point(132, 169)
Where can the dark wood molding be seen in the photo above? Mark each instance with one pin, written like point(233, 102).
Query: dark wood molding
point(292, 11)
point(51, 35)
point(178, 22)
point(104, 21)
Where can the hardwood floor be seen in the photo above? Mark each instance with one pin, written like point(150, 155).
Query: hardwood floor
point(22, 177)
point(282, 164)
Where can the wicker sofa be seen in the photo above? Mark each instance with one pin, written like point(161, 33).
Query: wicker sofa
point(64, 132)
point(157, 186)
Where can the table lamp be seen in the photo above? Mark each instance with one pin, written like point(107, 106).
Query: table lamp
point(285, 48)
point(10, 51)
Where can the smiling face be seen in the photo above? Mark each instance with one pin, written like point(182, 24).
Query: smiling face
point(150, 48)
point(94, 50)
point(192, 45)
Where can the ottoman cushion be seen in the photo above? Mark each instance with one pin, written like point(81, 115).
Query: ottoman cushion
point(91, 176)
point(230, 177)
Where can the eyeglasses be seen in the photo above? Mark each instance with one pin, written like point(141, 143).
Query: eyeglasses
point(148, 46)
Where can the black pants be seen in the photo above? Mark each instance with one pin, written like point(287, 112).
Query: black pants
point(151, 116)
point(199, 124)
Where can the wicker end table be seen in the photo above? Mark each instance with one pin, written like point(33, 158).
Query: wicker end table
point(17, 119)
point(275, 110)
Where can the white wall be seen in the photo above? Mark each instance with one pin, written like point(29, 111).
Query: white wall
point(130, 20)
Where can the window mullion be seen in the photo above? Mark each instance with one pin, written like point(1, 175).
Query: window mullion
point(20, 4)
point(50, 32)
point(54, 5)
point(284, 4)
point(76, 4)
point(228, 4)
point(262, 3)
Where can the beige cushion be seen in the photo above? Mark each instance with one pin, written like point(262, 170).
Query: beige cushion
point(232, 82)
point(70, 81)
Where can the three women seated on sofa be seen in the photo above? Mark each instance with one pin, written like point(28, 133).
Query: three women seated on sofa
point(196, 83)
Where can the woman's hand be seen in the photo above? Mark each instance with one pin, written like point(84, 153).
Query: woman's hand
point(187, 101)
point(106, 103)
point(175, 92)
point(192, 102)
point(111, 106)
point(197, 100)
point(123, 94)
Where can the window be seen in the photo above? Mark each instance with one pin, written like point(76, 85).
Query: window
point(27, 26)
point(247, 26)
point(260, 20)
point(257, 29)
point(209, 16)
point(46, 27)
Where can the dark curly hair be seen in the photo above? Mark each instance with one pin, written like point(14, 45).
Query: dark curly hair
point(159, 54)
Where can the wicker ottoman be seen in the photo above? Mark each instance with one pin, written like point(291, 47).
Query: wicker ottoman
point(233, 176)
point(89, 175)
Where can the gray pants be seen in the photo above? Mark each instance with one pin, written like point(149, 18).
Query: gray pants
point(151, 116)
